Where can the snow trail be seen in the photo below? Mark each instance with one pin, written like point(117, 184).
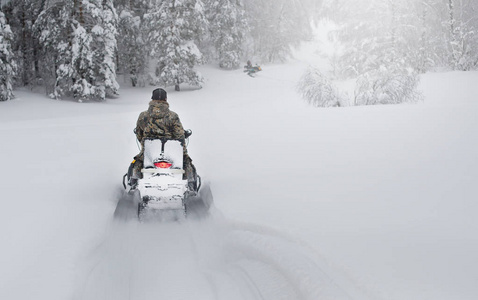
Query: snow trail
point(209, 259)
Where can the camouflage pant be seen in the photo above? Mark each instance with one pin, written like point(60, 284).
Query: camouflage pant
point(189, 169)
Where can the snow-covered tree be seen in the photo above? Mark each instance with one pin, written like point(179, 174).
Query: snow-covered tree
point(429, 48)
point(104, 34)
point(53, 27)
point(22, 15)
point(376, 34)
point(277, 26)
point(78, 38)
point(132, 50)
point(173, 27)
point(416, 34)
point(381, 44)
point(461, 29)
point(7, 64)
point(228, 28)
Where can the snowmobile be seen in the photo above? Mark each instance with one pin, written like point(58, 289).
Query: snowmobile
point(252, 70)
point(162, 194)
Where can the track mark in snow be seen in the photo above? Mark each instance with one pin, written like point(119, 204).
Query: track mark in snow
point(212, 259)
point(292, 263)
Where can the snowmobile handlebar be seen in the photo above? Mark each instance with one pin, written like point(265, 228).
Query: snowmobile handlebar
point(187, 133)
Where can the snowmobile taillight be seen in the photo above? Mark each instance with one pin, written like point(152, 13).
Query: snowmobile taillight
point(163, 164)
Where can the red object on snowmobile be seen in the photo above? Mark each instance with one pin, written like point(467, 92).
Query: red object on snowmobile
point(163, 164)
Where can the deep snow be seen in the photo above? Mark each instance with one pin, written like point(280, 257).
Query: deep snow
point(348, 203)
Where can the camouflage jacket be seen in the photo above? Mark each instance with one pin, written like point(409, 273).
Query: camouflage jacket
point(159, 121)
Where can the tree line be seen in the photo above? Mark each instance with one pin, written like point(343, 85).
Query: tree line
point(77, 48)
point(418, 34)
point(384, 45)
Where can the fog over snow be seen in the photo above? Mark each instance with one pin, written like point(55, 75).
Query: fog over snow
point(365, 202)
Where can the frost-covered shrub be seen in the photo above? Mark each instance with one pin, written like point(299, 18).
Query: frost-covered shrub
point(318, 90)
point(386, 87)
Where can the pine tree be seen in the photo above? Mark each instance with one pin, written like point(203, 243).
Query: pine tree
point(22, 15)
point(132, 50)
point(7, 64)
point(53, 27)
point(68, 44)
point(78, 39)
point(173, 29)
point(228, 29)
point(105, 32)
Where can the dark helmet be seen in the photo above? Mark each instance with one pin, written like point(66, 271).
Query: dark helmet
point(159, 94)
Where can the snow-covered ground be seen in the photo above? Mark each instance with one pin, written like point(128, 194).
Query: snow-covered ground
point(343, 203)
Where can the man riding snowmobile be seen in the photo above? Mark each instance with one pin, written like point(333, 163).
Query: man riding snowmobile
point(251, 70)
point(160, 122)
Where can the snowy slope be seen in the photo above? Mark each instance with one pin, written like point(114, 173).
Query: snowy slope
point(350, 203)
